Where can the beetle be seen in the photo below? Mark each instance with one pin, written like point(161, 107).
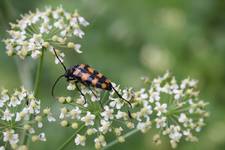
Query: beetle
point(88, 76)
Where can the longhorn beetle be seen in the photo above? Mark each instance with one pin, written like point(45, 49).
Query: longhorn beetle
point(86, 75)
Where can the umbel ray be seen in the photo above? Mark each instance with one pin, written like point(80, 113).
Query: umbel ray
point(86, 75)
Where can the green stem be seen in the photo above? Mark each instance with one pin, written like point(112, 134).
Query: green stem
point(116, 141)
point(36, 87)
point(70, 138)
point(38, 74)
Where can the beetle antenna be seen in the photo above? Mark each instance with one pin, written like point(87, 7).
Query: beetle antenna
point(59, 59)
point(56, 81)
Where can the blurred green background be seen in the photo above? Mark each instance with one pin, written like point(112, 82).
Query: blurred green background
point(128, 39)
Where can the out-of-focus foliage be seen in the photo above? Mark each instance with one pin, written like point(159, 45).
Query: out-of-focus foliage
point(127, 39)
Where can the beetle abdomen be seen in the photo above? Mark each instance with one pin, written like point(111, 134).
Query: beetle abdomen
point(90, 76)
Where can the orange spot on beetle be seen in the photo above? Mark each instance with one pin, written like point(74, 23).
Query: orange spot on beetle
point(99, 75)
point(85, 76)
point(104, 85)
point(91, 70)
point(76, 72)
point(94, 81)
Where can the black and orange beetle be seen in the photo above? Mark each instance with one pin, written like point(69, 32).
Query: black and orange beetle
point(86, 75)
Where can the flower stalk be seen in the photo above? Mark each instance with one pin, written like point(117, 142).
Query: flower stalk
point(38, 73)
point(112, 143)
point(36, 88)
point(70, 138)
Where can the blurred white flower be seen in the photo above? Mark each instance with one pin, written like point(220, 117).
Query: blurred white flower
point(2, 148)
point(156, 58)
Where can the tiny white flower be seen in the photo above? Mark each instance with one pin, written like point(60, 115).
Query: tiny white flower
point(120, 114)
point(91, 131)
point(31, 131)
point(107, 113)
point(161, 122)
point(40, 124)
point(78, 32)
point(42, 137)
point(118, 131)
point(75, 113)
point(35, 54)
point(160, 108)
point(80, 140)
point(64, 113)
point(105, 126)
point(175, 133)
point(73, 21)
point(192, 83)
point(3, 99)
point(182, 118)
point(51, 118)
point(10, 137)
point(154, 96)
point(100, 142)
point(59, 24)
point(77, 48)
point(143, 94)
point(7, 115)
point(14, 101)
point(144, 126)
point(88, 119)
point(178, 94)
point(116, 103)
point(71, 86)
point(82, 21)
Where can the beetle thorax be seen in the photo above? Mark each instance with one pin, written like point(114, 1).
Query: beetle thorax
point(69, 74)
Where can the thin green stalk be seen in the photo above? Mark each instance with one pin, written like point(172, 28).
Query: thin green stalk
point(36, 87)
point(38, 74)
point(70, 138)
point(116, 141)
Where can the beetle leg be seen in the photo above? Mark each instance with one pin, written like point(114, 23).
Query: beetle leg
point(85, 100)
point(120, 96)
point(93, 93)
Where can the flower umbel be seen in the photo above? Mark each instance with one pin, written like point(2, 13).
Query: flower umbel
point(174, 109)
point(45, 29)
point(16, 109)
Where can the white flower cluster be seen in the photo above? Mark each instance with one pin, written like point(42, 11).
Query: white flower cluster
point(46, 29)
point(16, 109)
point(164, 104)
point(176, 108)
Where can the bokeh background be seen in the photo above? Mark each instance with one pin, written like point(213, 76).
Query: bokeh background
point(128, 39)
